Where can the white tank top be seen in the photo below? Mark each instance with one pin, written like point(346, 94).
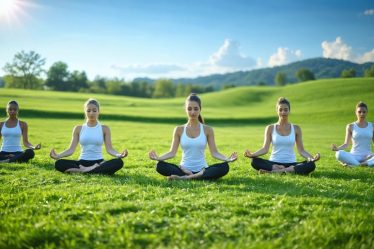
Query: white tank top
point(193, 151)
point(361, 140)
point(91, 140)
point(283, 146)
point(11, 138)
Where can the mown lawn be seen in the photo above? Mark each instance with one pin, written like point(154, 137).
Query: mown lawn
point(137, 208)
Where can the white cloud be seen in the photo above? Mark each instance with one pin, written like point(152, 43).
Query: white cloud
point(226, 59)
point(369, 12)
point(284, 56)
point(229, 56)
point(337, 49)
point(148, 69)
point(366, 57)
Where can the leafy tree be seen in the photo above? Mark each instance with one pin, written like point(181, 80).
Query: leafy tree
point(77, 81)
point(370, 72)
point(304, 74)
point(180, 90)
point(57, 76)
point(27, 67)
point(114, 86)
point(348, 73)
point(280, 79)
point(164, 89)
point(98, 85)
point(228, 86)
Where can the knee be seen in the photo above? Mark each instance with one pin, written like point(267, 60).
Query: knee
point(119, 162)
point(254, 163)
point(29, 153)
point(226, 168)
point(305, 168)
point(159, 166)
point(312, 167)
point(338, 154)
point(59, 166)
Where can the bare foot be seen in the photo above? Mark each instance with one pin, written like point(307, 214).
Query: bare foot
point(88, 169)
point(263, 171)
point(344, 165)
point(278, 166)
point(174, 177)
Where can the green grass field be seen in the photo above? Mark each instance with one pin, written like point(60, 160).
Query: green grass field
point(137, 208)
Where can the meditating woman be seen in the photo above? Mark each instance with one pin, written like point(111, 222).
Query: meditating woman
point(361, 133)
point(193, 138)
point(91, 137)
point(11, 130)
point(283, 135)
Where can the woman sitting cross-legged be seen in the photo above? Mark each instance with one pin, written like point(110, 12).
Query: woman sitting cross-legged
point(361, 133)
point(283, 136)
point(11, 130)
point(91, 137)
point(193, 138)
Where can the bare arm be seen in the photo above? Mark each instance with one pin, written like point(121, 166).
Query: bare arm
point(300, 146)
point(73, 145)
point(109, 146)
point(1, 127)
point(347, 141)
point(213, 148)
point(173, 148)
point(25, 137)
point(265, 146)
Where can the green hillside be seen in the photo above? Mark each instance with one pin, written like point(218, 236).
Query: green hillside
point(328, 100)
point(322, 68)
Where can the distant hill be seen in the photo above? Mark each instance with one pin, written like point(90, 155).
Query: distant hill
point(321, 67)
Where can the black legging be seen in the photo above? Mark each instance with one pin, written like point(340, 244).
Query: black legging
point(106, 167)
point(301, 168)
point(18, 157)
point(210, 173)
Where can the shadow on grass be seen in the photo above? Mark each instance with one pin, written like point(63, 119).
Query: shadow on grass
point(289, 185)
point(29, 113)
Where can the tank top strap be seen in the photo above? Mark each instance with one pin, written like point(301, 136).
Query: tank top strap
point(202, 133)
point(293, 130)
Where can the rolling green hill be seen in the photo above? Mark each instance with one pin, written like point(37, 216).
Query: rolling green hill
point(322, 68)
point(327, 100)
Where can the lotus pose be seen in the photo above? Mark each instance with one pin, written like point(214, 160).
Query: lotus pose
point(91, 137)
point(193, 138)
point(283, 135)
point(361, 133)
point(11, 130)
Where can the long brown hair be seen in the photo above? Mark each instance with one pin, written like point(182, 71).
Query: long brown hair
point(195, 98)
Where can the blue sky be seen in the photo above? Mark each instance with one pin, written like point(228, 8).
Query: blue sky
point(185, 38)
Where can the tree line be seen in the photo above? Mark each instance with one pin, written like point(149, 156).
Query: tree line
point(26, 71)
point(304, 74)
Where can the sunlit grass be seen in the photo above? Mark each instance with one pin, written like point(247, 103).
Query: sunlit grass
point(137, 208)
